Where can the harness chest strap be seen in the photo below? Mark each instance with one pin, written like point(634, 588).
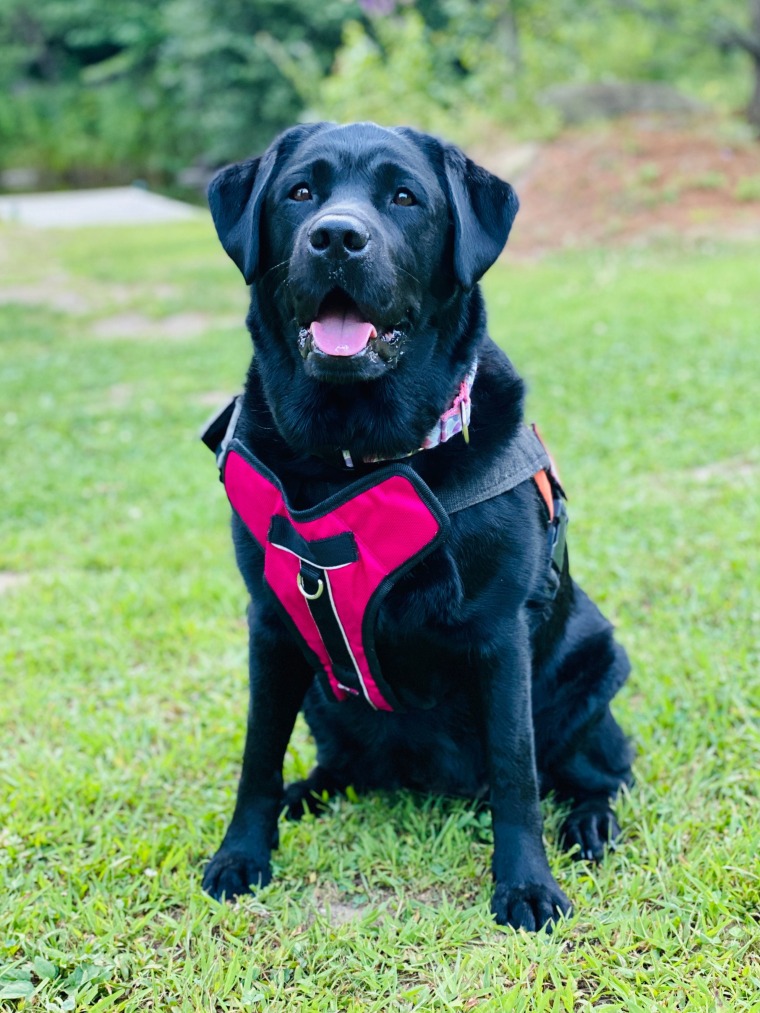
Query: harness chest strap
point(331, 566)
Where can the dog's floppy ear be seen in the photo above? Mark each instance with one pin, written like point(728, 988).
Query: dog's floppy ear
point(483, 207)
point(236, 195)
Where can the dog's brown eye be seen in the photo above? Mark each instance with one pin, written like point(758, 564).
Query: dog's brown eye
point(404, 197)
point(300, 192)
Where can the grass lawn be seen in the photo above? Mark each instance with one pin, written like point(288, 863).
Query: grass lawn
point(123, 655)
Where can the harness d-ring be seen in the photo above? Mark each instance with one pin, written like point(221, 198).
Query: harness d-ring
point(305, 593)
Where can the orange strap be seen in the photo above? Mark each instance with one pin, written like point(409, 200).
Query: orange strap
point(544, 487)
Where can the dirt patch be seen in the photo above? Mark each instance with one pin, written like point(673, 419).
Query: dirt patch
point(176, 327)
point(134, 325)
point(119, 395)
point(732, 468)
point(52, 296)
point(339, 909)
point(638, 180)
point(331, 904)
point(73, 296)
point(339, 913)
point(10, 581)
point(214, 398)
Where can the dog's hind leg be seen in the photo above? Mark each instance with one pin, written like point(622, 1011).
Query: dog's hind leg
point(591, 777)
point(312, 794)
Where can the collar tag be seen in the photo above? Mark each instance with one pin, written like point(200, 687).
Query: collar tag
point(464, 414)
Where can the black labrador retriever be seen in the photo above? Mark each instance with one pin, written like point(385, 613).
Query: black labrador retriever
point(406, 562)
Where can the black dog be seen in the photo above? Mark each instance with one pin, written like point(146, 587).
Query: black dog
point(481, 668)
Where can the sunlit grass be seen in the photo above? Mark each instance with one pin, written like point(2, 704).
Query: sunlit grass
point(122, 655)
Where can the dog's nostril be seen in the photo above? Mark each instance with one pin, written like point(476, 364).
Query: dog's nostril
point(338, 236)
point(355, 241)
point(319, 239)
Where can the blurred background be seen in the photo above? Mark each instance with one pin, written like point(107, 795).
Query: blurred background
point(629, 301)
point(164, 92)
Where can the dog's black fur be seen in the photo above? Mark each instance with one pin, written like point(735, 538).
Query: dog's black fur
point(516, 683)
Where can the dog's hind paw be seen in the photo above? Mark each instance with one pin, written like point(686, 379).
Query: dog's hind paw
point(529, 906)
point(231, 873)
point(300, 798)
point(591, 827)
point(312, 794)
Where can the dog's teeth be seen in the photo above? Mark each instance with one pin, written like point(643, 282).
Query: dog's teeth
point(304, 341)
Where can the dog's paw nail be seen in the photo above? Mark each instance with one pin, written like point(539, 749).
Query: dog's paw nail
point(531, 906)
point(231, 874)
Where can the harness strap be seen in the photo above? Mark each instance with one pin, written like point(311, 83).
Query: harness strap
point(524, 457)
point(218, 431)
point(330, 566)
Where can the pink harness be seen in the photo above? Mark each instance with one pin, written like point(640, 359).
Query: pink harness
point(329, 567)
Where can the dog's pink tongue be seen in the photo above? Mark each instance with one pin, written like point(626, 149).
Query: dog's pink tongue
point(341, 333)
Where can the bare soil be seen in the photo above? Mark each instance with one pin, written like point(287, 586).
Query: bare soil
point(635, 181)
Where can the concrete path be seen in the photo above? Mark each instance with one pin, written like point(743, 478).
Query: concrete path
point(125, 205)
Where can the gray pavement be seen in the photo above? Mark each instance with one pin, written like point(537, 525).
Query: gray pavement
point(124, 205)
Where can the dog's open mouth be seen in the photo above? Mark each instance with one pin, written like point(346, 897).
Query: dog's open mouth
point(340, 330)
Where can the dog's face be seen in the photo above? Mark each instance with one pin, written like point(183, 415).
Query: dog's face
point(355, 239)
point(363, 238)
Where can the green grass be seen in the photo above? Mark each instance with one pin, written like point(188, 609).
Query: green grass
point(123, 672)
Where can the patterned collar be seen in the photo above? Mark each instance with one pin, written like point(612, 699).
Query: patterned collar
point(456, 419)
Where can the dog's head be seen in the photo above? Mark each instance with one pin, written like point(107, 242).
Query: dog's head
point(357, 242)
point(363, 247)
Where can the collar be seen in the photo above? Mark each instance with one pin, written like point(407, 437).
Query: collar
point(456, 419)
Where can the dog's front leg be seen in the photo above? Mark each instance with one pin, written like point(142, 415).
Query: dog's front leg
point(279, 678)
point(526, 894)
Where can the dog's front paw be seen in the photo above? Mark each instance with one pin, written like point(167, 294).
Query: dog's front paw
point(529, 906)
point(592, 827)
point(231, 873)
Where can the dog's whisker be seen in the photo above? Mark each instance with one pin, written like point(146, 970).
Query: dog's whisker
point(409, 273)
point(275, 267)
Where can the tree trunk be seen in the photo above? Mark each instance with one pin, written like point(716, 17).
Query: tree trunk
point(508, 35)
point(753, 109)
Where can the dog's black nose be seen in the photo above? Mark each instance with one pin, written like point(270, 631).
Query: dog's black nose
point(338, 236)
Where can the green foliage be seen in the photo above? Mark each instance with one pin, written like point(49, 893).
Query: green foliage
point(123, 657)
point(492, 61)
point(79, 78)
point(748, 189)
point(101, 92)
point(388, 79)
point(450, 79)
point(139, 88)
point(239, 72)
